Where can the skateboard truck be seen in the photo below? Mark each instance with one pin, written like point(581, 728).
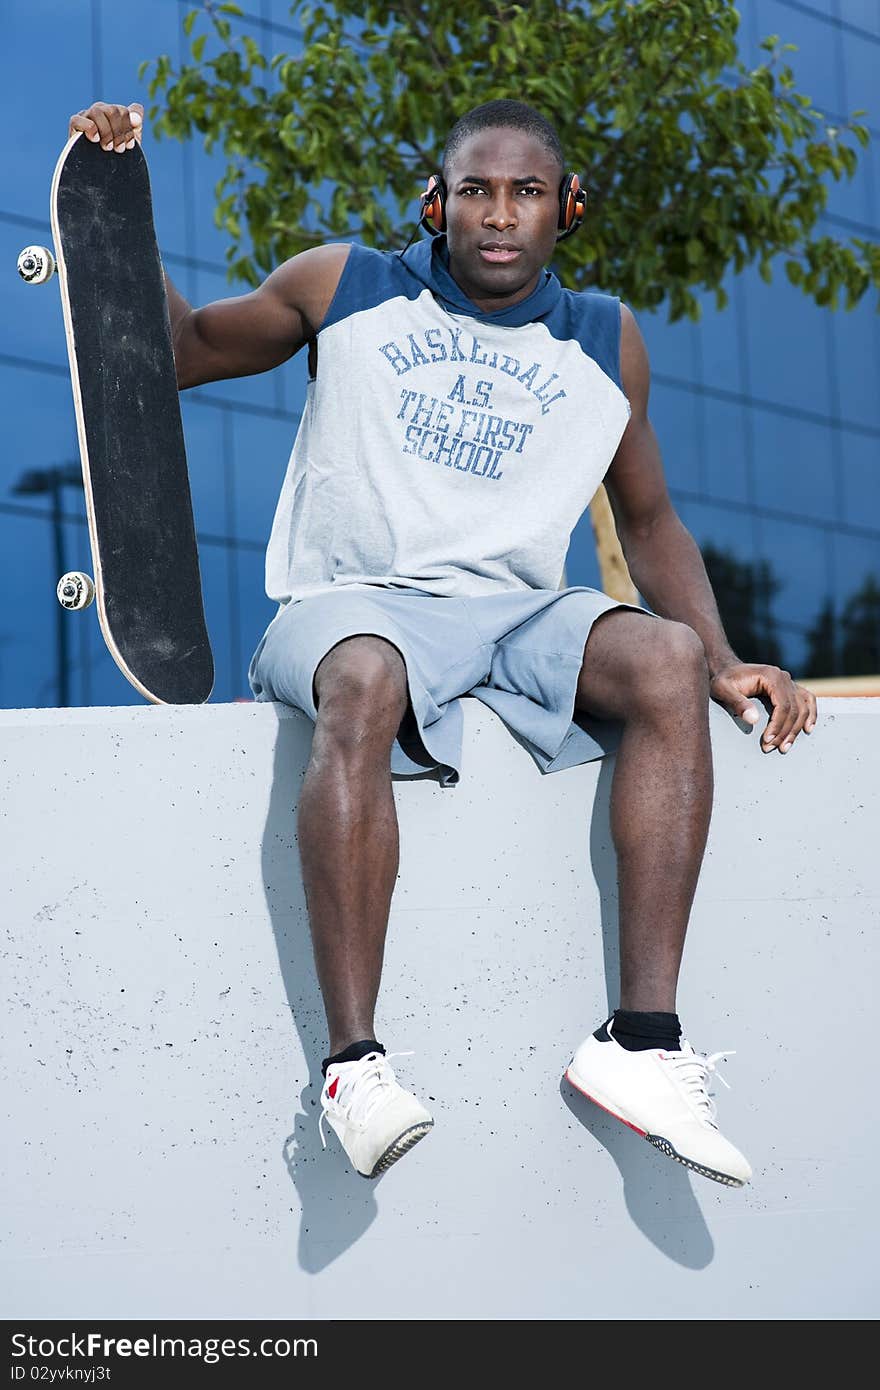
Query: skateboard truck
point(36, 265)
point(75, 590)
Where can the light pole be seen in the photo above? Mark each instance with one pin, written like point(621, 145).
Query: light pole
point(53, 480)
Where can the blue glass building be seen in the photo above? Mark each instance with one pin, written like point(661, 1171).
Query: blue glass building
point(768, 413)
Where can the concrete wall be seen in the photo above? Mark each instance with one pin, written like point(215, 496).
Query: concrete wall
point(164, 1033)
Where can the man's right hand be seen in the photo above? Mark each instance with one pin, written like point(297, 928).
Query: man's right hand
point(116, 127)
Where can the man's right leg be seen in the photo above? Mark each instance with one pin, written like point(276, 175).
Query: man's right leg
point(349, 851)
point(347, 827)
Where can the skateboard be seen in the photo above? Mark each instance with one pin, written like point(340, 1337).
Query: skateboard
point(147, 581)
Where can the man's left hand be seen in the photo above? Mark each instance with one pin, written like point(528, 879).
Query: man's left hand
point(792, 707)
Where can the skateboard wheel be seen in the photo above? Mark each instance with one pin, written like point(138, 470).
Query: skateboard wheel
point(36, 265)
point(75, 590)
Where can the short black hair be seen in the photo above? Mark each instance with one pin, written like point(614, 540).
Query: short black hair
point(503, 114)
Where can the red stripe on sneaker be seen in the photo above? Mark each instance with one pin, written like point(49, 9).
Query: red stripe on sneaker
point(612, 1113)
point(331, 1090)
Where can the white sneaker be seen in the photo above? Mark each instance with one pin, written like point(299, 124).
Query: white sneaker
point(376, 1120)
point(662, 1096)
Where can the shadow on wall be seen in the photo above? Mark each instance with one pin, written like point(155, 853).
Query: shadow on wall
point(338, 1207)
point(659, 1197)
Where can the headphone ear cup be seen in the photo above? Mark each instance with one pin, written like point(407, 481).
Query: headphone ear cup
point(433, 216)
point(572, 205)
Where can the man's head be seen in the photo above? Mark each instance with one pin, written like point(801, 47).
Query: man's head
point(502, 166)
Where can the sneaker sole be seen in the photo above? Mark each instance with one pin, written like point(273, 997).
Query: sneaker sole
point(402, 1145)
point(657, 1140)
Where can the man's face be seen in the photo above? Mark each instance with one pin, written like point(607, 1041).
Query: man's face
point(503, 188)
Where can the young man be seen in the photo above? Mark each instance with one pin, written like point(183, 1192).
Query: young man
point(462, 409)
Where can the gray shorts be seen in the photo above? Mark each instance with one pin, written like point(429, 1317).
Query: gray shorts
point(520, 652)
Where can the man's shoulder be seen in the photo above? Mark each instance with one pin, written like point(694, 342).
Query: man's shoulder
point(368, 279)
point(590, 303)
point(592, 319)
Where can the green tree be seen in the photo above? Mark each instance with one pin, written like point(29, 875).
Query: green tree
point(850, 647)
point(821, 657)
point(693, 162)
point(860, 630)
point(744, 593)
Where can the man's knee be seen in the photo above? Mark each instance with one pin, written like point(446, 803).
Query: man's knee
point(360, 690)
point(673, 667)
point(683, 648)
point(641, 660)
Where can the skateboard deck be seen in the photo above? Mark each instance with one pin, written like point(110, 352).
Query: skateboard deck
point(147, 577)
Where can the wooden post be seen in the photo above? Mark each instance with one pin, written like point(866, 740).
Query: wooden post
point(615, 576)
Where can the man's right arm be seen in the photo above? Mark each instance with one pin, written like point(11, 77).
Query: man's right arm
point(254, 332)
point(246, 334)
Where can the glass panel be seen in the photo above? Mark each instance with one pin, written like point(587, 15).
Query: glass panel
point(794, 465)
point(797, 554)
point(855, 558)
point(864, 14)
point(822, 7)
point(675, 415)
point(278, 12)
point(203, 427)
point(787, 344)
point(861, 479)
point(735, 573)
point(672, 347)
point(40, 431)
point(816, 73)
point(856, 337)
point(204, 172)
point(29, 665)
point(47, 48)
point(262, 448)
point(725, 528)
point(860, 57)
point(726, 458)
point(857, 563)
point(871, 156)
point(850, 198)
point(719, 340)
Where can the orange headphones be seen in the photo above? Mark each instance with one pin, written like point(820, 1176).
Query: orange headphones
point(572, 205)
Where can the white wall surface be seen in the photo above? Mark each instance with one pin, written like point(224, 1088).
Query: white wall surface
point(163, 1034)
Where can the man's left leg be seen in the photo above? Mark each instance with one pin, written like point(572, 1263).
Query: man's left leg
point(652, 674)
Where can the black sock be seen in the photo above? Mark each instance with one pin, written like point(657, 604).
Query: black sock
point(638, 1031)
point(354, 1052)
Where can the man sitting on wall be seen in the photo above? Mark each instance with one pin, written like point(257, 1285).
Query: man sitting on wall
point(462, 409)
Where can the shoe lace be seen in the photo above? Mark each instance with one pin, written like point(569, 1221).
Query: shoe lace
point(692, 1071)
point(361, 1091)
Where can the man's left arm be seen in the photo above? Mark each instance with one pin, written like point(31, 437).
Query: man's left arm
point(668, 570)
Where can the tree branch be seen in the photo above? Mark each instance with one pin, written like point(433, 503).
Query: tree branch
point(427, 37)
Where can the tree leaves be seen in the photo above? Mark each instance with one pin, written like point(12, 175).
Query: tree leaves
point(693, 163)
